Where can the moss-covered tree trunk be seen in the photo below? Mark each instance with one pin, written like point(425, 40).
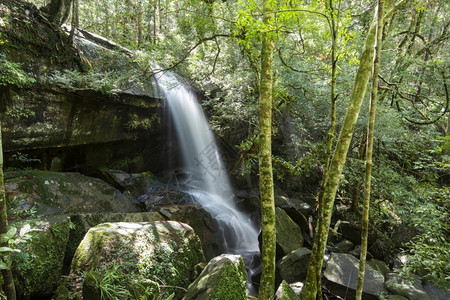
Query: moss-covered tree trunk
point(337, 163)
point(9, 288)
point(267, 287)
point(369, 150)
point(330, 137)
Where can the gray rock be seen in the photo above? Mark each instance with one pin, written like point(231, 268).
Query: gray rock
point(294, 266)
point(146, 188)
point(437, 293)
point(296, 209)
point(344, 246)
point(341, 274)
point(379, 265)
point(59, 193)
point(410, 288)
point(224, 277)
point(201, 221)
point(289, 235)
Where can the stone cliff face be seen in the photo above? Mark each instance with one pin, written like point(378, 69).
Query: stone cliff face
point(59, 127)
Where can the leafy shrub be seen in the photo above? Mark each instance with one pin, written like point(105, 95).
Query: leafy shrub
point(429, 252)
point(12, 74)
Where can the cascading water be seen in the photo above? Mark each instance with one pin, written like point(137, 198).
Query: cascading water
point(207, 181)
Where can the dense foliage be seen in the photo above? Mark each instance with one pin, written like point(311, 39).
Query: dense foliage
point(216, 45)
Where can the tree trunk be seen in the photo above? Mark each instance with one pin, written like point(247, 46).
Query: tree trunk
point(331, 132)
point(58, 11)
point(369, 150)
point(267, 288)
point(9, 287)
point(75, 19)
point(337, 163)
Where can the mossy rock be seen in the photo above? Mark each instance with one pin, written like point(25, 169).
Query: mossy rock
point(163, 251)
point(294, 265)
point(81, 223)
point(410, 288)
point(37, 269)
point(288, 291)
point(289, 234)
point(224, 278)
point(58, 193)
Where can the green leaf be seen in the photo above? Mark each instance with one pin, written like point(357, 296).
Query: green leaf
point(6, 249)
point(3, 266)
point(11, 232)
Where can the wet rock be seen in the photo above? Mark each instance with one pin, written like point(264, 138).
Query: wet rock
point(147, 189)
point(224, 277)
point(341, 275)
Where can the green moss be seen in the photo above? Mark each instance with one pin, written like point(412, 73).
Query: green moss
point(288, 292)
point(38, 266)
point(231, 284)
point(62, 293)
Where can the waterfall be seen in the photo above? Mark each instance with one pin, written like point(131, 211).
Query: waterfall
point(207, 180)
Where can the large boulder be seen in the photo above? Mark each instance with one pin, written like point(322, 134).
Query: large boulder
point(56, 193)
point(82, 222)
point(224, 278)
point(289, 235)
point(165, 252)
point(38, 267)
point(298, 210)
point(294, 266)
point(205, 226)
point(410, 288)
point(341, 275)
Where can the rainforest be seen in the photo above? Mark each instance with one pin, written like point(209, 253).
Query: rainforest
point(224, 149)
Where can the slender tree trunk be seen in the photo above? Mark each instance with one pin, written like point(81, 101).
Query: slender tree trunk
point(369, 150)
point(337, 163)
point(75, 19)
point(9, 287)
point(267, 288)
point(330, 136)
point(357, 182)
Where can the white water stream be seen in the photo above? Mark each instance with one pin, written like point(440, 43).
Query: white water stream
point(207, 178)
